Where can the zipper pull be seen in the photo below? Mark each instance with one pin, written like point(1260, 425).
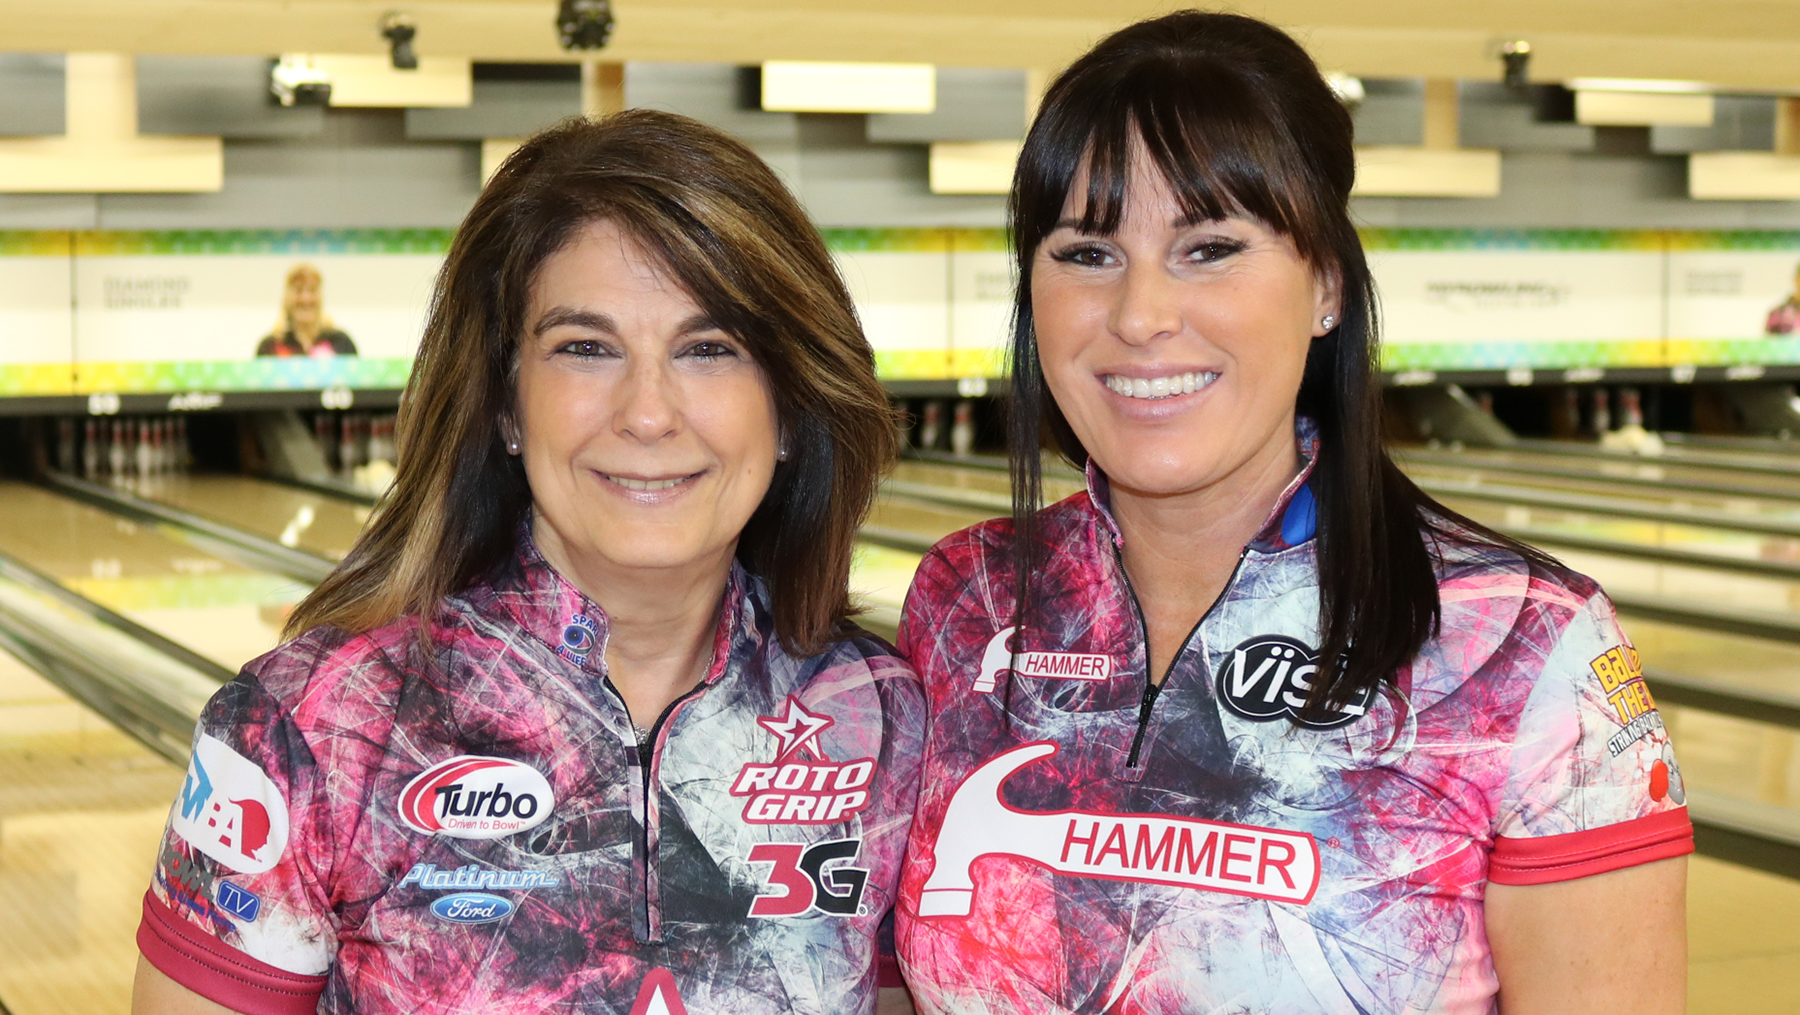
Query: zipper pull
point(1151, 691)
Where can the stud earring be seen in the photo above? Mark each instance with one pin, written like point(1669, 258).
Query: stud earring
point(512, 447)
point(1328, 321)
point(781, 454)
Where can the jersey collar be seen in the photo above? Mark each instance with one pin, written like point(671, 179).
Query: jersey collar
point(551, 609)
point(1292, 520)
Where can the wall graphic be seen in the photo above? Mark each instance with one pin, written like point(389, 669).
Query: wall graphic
point(131, 312)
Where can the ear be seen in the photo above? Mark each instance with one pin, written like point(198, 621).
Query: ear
point(1328, 301)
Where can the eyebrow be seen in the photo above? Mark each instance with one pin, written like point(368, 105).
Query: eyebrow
point(590, 320)
point(1183, 222)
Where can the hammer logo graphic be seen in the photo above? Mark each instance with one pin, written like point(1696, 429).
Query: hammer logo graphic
point(1262, 863)
point(1000, 656)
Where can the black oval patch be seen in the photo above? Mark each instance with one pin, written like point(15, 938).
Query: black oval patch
point(1269, 677)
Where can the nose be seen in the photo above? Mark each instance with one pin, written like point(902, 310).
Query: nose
point(648, 404)
point(1147, 308)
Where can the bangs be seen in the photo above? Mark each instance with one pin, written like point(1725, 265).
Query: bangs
point(1222, 148)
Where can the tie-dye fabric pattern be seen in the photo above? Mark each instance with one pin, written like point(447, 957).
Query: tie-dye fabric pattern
point(1218, 857)
point(751, 877)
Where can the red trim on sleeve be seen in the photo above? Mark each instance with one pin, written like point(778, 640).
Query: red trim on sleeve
point(1548, 858)
point(201, 963)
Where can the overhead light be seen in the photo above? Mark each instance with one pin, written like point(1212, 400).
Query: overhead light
point(398, 29)
point(1651, 85)
point(294, 81)
point(1515, 59)
point(1349, 90)
point(584, 24)
point(804, 86)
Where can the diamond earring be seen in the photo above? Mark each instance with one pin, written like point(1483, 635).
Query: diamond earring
point(1328, 321)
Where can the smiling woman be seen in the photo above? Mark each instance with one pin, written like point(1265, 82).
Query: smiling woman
point(581, 722)
point(1253, 724)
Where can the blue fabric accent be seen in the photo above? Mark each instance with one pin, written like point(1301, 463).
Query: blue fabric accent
point(1301, 519)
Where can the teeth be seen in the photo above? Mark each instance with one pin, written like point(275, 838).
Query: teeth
point(1167, 386)
point(647, 484)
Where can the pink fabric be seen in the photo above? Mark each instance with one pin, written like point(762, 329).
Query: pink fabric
point(219, 973)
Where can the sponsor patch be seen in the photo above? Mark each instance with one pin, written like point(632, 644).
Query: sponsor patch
point(1635, 730)
point(802, 786)
point(472, 907)
point(187, 882)
point(230, 810)
point(240, 903)
point(1001, 656)
point(474, 797)
point(475, 876)
point(1665, 779)
point(1621, 673)
point(578, 638)
point(1269, 677)
point(658, 995)
point(810, 877)
point(1262, 863)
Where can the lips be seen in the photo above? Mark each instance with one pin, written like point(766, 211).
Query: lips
point(1166, 386)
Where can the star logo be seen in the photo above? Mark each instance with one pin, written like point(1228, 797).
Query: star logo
point(795, 730)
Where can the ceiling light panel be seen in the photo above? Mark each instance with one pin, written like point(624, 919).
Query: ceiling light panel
point(795, 86)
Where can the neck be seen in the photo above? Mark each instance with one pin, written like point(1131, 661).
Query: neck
point(306, 334)
point(1180, 549)
point(661, 622)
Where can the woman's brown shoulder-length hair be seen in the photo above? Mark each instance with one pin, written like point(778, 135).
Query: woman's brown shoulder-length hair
point(723, 225)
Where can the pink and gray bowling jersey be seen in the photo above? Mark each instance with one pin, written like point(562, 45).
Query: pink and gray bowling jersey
point(363, 829)
point(1084, 844)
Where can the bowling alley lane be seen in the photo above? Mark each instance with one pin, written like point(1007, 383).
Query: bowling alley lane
point(297, 518)
point(81, 809)
point(217, 607)
point(1702, 470)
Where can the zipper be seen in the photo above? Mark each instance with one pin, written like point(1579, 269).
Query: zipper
point(1153, 689)
point(647, 760)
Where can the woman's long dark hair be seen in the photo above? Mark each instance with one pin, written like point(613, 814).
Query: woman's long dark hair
point(1238, 120)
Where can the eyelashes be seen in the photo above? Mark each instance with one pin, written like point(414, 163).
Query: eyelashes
point(1093, 255)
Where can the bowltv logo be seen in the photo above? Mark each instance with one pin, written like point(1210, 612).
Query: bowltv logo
point(473, 797)
point(1270, 676)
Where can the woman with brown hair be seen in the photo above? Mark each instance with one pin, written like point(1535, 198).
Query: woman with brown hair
point(1252, 724)
point(580, 723)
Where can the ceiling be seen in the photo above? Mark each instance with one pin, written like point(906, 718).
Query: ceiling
point(1735, 43)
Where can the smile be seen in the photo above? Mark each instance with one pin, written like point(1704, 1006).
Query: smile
point(1159, 387)
point(647, 485)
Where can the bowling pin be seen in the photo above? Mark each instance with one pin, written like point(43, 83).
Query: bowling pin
point(90, 450)
point(1602, 414)
point(115, 452)
point(1632, 406)
point(930, 423)
point(143, 449)
point(962, 432)
point(346, 444)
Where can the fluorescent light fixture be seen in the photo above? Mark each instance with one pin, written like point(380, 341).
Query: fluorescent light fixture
point(1395, 171)
point(973, 167)
point(1743, 176)
point(1643, 109)
point(797, 86)
point(1651, 85)
point(372, 81)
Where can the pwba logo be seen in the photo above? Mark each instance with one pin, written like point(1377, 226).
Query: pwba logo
point(472, 797)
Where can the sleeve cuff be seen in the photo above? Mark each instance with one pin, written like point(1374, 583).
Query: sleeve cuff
point(218, 972)
point(1548, 858)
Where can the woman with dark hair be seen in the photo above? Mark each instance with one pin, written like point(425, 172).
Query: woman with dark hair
point(1253, 724)
point(580, 724)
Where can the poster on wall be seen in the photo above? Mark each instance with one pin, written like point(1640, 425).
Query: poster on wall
point(1481, 300)
point(36, 320)
point(981, 302)
point(899, 281)
point(1734, 298)
point(250, 311)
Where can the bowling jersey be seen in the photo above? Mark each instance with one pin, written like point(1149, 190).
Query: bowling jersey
point(1087, 844)
point(365, 827)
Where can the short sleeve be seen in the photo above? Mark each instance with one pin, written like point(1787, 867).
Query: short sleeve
point(1593, 784)
point(237, 909)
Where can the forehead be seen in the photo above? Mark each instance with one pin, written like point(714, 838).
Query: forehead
point(603, 262)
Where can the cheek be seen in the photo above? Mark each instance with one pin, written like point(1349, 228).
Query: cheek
point(735, 417)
